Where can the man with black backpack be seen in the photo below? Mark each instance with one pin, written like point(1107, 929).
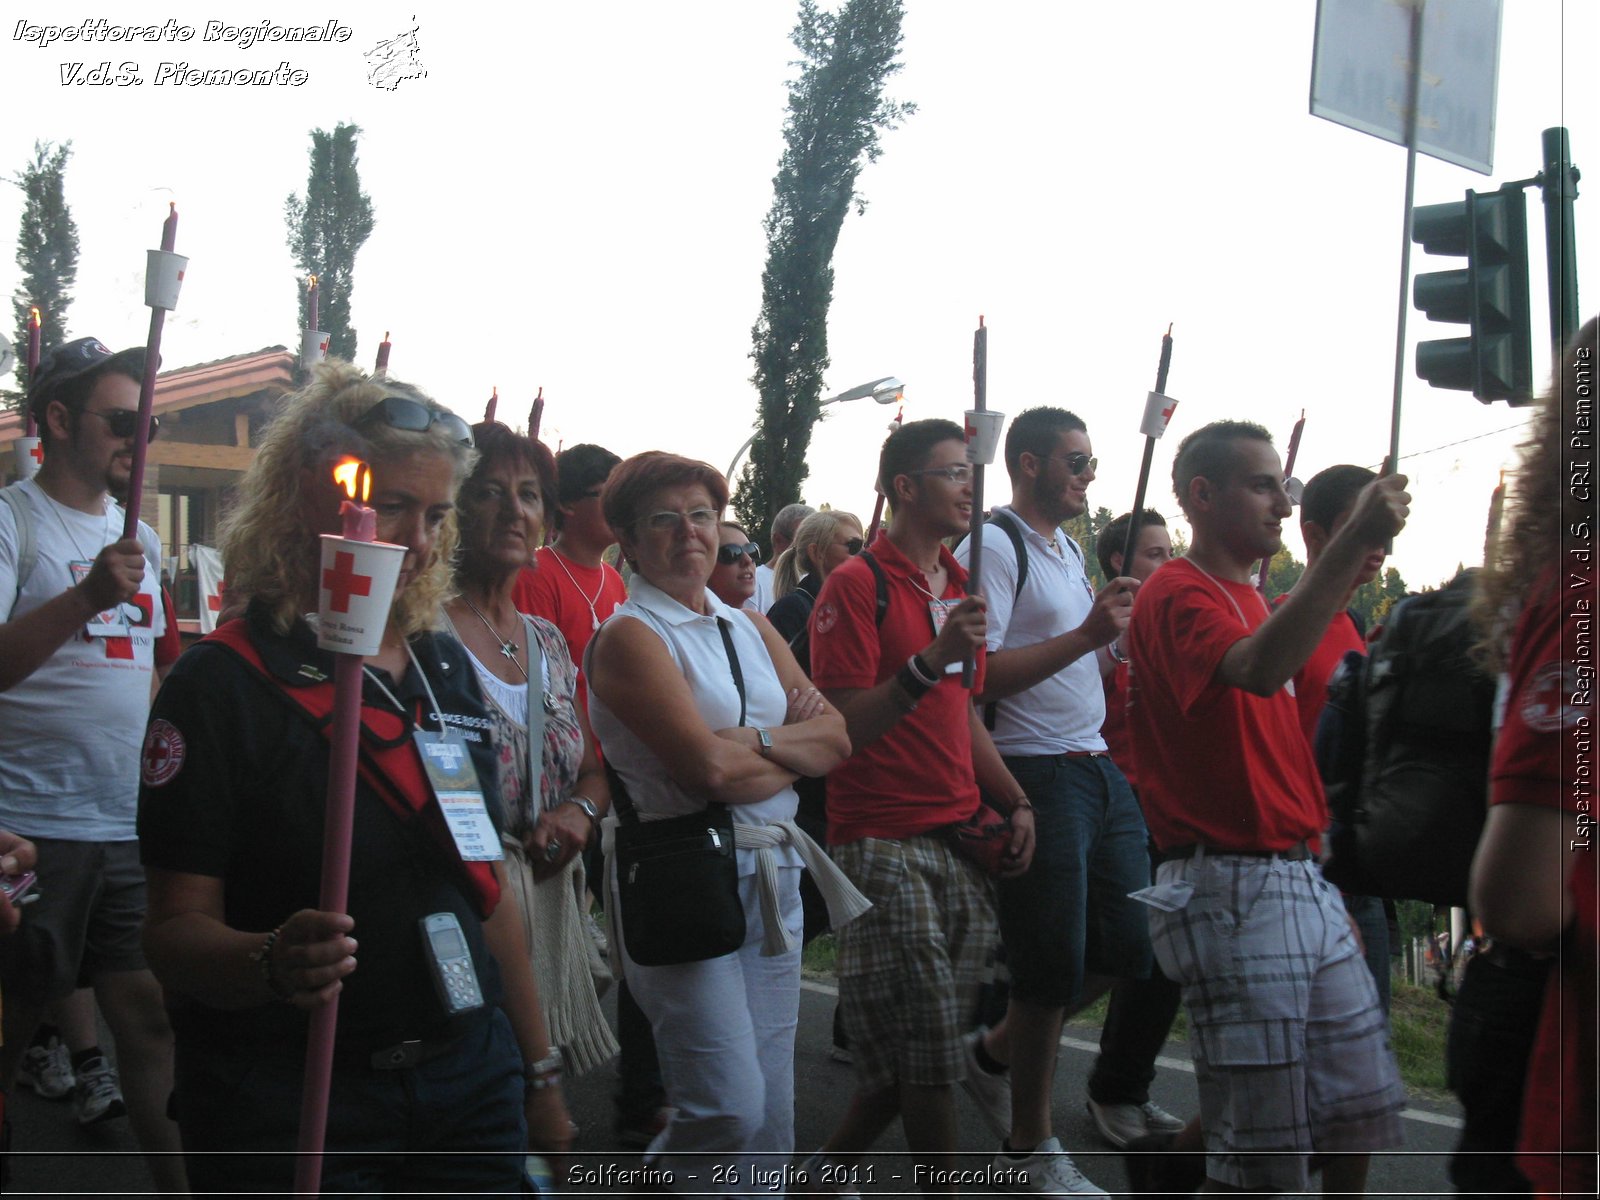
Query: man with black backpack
point(1069, 928)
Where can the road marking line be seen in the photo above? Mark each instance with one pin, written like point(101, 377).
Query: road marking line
point(1419, 1115)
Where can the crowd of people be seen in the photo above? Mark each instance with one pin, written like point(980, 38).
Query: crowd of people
point(1078, 791)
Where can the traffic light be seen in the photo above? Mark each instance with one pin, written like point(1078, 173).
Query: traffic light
point(1490, 295)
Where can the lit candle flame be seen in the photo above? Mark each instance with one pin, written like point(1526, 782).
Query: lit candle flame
point(311, 281)
point(354, 477)
point(33, 318)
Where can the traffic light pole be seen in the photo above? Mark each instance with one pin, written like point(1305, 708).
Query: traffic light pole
point(1412, 101)
point(1559, 182)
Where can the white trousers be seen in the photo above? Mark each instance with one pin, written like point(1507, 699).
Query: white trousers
point(725, 1032)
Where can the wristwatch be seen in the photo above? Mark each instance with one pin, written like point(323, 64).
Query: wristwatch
point(766, 741)
point(587, 805)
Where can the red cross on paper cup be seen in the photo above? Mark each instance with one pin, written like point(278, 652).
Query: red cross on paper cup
point(358, 583)
point(1158, 410)
point(29, 453)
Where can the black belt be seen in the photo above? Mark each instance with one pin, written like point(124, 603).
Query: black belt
point(1298, 852)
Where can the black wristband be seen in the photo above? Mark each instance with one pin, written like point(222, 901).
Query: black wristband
point(910, 684)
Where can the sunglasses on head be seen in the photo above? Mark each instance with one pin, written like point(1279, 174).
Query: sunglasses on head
point(124, 422)
point(398, 412)
point(734, 551)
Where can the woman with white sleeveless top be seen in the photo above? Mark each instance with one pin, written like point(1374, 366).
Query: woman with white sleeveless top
point(666, 703)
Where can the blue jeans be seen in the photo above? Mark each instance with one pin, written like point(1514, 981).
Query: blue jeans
point(1070, 916)
point(1367, 912)
point(385, 1128)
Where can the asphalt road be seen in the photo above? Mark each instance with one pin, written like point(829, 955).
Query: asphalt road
point(55, 1157)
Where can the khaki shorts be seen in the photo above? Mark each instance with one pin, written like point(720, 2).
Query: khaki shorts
point(88, 919)
point(909, 968)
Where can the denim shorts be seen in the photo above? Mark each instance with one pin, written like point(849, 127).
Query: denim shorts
point(1069, 916)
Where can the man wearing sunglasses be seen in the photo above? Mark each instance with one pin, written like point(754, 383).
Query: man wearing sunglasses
point(1068, 926)
point(81, 613)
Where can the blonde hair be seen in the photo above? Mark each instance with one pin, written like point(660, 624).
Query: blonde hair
point(816, 532)
point(269, 555)
point(1537, 507)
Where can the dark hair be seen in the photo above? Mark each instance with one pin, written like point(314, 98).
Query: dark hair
point(580, 468)
point(74, 393)
point(497, 444)
point(1332, 490)
point(734, 525)
point(637, 477)
point(1113, 539)
point(1035, 432)
point(907, 449)
point(1208, 453)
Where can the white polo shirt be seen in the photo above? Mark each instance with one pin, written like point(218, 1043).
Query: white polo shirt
point(1064, 712)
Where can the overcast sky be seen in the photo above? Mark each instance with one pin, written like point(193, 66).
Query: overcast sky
point(572, 197)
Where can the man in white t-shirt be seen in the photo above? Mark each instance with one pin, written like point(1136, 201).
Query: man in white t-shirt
point(1068, 926)
point(80, 611)
point(783, 531)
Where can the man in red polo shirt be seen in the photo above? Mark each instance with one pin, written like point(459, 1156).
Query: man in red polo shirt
point(909, 969)
point(1291, 1050)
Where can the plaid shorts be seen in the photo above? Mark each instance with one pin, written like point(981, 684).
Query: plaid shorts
point(1291, 1050)
point(909, 968)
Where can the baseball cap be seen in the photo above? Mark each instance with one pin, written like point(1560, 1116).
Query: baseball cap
point(75, 358)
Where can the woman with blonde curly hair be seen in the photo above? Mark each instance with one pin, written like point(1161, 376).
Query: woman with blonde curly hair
point(231, 820)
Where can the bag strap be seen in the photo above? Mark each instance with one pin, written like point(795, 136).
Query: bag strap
point(27, 546)
point(535, 716)
point(882, 581)
point(1017, 546)
point(725, 629)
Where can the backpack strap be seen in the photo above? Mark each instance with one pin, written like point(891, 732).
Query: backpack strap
point(27, 544)
point(1011, 531)
point(882, 581)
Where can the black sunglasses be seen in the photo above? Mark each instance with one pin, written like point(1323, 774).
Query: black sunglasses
point(124, 422)
point(397, 412)
point(733, 552)
point(852, 546)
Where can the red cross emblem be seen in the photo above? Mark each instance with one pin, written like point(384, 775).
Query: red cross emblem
point(341, 580)
point(214, 602)
point(37, 453)
point(163, 753)
point(1166, 413)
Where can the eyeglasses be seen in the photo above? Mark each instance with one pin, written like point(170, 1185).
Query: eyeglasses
point(663, 522)
point(397, 412)
point(124, 422)
point(956, 473)
point(1078, 463)
point(852, 546)
point(734, 551)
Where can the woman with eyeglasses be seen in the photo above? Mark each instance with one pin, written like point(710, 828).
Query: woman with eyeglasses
point(733, 578)
point(442, 1071)
point(697, 701)
point(553, 792)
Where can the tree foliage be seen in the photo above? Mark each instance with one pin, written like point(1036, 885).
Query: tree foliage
point(47, 254)
point(327, 227)
point(837, 111)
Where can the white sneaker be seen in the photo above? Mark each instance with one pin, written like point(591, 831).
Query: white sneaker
point(1048, 1171)
point(47, 1070)
point(97, 1096)
point(1120, 1124)
point(991, 1093)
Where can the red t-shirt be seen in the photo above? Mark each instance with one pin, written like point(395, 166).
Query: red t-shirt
point(1217, 765)
point(564, 598)
point(917, 776)
point(1311, 681)
point(1547, 705)
point(1115, 730)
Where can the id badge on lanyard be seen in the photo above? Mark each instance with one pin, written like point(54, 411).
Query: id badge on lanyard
point(939, 610)
point(454, 780)
point(113, 622)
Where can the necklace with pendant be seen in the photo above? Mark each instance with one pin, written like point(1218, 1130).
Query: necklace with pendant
point(508, 648)
point(594, 615)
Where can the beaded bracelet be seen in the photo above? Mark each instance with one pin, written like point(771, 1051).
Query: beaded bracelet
point(263, 960)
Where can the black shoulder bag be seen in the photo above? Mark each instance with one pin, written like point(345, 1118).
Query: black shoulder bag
point(678, 878)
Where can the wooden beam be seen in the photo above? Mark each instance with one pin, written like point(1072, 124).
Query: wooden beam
point(191, 454)
point(241, 429)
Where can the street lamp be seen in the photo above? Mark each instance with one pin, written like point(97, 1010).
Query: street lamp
point(887, 390)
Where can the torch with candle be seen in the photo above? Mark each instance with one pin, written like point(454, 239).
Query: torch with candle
point(29, 448)
point(382, 366)
point(983, 438)
point(163, 278)
point(313, 342)
point(489, 408)
point(1291, 485)
point(358, 578)
point(1158, 410)
point(536, 416)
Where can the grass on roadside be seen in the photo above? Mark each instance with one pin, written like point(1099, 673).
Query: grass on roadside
point(1417, 1021)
